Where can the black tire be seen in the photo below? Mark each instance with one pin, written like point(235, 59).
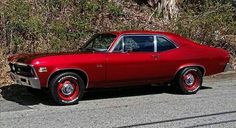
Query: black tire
point(189, 80)
point(59, 81)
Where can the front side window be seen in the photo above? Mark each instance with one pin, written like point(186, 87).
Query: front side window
point(135, 44)
point(99, 42)
point(164, 44)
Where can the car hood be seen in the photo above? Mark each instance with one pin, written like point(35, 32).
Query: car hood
point(27, 58)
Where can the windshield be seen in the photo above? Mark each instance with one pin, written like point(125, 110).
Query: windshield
point(99, 42)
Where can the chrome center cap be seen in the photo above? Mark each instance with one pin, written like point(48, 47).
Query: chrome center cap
point(189, 80)
point(67, 89)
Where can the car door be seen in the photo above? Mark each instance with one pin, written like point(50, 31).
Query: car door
point(168, 58)
point(132, 59)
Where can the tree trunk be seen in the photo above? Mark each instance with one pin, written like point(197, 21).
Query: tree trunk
point(2, 31)
point(234, 3)
point(8, 36)
point(166, 8)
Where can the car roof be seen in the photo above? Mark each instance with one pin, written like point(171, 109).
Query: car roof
point(140, 32)
point(173, 37)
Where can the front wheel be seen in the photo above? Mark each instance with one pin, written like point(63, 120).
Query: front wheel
point(67, 88)
point(189, 80)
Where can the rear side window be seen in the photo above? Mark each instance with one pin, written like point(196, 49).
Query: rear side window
point(164, 44)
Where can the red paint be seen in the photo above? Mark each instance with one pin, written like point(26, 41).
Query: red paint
point(106, 69)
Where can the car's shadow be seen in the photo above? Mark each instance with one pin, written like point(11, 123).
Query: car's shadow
point(21, 95)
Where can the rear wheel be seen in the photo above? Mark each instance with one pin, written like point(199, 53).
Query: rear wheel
point(67, 88)
point(189, 80)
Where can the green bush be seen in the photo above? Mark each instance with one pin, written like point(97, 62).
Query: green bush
point(62, 25)
point(208, 23)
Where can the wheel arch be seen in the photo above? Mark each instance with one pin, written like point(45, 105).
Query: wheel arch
point(200, 67)
point(80, 72)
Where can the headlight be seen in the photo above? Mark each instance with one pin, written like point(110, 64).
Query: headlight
point(13, 67)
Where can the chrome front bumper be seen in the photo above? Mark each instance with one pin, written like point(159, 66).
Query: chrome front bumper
point(32, 82)
point(227, 67)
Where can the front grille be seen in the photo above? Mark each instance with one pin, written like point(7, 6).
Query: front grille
point(23, 70)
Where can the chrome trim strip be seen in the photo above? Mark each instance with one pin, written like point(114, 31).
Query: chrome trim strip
point(78, 69)
point(191, 65)
point(18, 63)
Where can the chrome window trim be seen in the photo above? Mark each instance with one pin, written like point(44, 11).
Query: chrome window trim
point(163, 36)
point(123, 35)
point(113, 42)
point(116, 43)
point(123, 44)
point(155, 43)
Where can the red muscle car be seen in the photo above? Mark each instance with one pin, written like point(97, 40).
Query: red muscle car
point(120, 58)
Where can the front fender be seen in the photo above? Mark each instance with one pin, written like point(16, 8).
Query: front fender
point(45, 76)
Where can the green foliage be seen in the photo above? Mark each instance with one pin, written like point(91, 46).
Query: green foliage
point(16, 10)
point(207, 23)
point(90, 5)
point(17, 40)
point(58, 25)
point(58, 28)
point(114, 9)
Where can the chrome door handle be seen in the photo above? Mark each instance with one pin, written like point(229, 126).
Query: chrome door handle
point(155, 56)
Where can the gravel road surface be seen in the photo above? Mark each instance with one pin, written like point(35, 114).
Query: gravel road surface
point(213, 106)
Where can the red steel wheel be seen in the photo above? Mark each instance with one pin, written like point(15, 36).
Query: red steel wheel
point(189, 80)
point(67, 88)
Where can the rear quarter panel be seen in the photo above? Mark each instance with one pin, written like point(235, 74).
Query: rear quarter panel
point(214, 59)
point(190, 53)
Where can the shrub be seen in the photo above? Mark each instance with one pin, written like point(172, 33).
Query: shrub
point(209, 23)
